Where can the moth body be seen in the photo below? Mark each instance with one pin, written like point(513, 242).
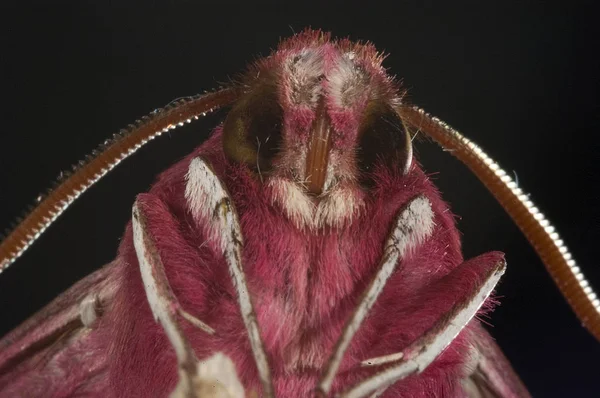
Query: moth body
point(306, 265)
point(302, 241)
point(305, 284)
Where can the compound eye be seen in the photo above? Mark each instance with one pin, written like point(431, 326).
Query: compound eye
point(252, 129)
point(382, 140)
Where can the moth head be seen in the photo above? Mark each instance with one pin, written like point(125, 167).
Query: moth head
point(316, 125)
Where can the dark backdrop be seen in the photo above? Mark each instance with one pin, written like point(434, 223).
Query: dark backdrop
point(520, 79)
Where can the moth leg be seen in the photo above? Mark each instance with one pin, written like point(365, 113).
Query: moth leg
point(196, 379)
point(211, 205)
point(89, 309)
point(470, 285)
point(491, 372)
point(413, 225)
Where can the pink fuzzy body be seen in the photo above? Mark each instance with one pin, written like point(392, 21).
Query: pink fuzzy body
point(304, 284)
point(305, 277)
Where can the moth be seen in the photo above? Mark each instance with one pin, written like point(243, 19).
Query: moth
point(300, 251)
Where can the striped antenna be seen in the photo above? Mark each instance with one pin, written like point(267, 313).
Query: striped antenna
point(103, 160)
point(537, 229)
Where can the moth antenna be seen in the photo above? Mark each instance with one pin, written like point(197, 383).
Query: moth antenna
point(533, 224)
point(109, 155)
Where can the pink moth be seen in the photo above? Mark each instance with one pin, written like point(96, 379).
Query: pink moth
point(300, 251)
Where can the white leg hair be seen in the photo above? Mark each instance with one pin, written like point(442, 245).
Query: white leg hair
point(382, 360)
point(420, 354)
point(413, 226)
point(209, 202)
point(214, 377)
point(88, 309)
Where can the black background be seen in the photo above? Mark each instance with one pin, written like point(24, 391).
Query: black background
point(522, 80)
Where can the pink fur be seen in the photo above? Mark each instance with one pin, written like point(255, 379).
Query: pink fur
point(305, 285)
point(305, 282)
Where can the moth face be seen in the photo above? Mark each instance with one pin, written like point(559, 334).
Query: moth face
point(316, 127)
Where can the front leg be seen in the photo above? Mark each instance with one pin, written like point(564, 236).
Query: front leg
point(413, 225)
point(215, 377)
point(210, 204)
point(453, 301)
point(443, 308)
